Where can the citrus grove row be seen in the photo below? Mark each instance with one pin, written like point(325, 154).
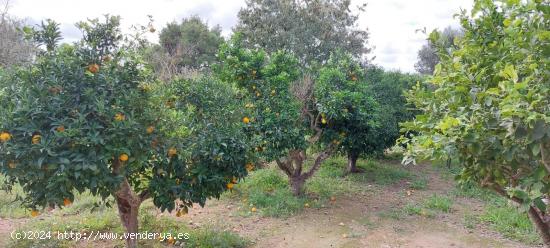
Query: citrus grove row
point(107, 115)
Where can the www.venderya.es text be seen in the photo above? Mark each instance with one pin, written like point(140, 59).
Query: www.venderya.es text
point(97, 235)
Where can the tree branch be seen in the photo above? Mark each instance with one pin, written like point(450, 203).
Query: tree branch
point(321, 157)
point(545, 154)
point(284, 167)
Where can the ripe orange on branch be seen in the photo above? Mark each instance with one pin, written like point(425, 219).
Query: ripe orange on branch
point(119, 117)
point(93, 68)
point(60, 129)
point(123, 157)
point(34, 213)
point(230, 185)
point(36, 138)
point(5, 136)
point(172, 152)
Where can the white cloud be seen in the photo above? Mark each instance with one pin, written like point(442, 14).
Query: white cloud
point(392, 23)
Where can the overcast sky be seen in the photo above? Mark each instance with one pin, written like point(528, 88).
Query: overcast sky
point(392, 23)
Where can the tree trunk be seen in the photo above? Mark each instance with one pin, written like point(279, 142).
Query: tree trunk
point(352, 161)
point(542, 227)
point(297, 184)
point(128, 208)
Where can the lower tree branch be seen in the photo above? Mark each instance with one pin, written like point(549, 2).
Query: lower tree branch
point(321, 157)
point(284, 167)
point(545, 154)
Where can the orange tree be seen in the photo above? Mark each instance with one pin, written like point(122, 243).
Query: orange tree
point(284, 116)
point(488, 105)
point(349, 113)
point(88, 116)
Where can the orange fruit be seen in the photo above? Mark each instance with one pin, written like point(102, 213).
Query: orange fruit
point(258, 94)
point(253, 209)
point(93, 68)
point(323, 120)
point(123, 157)
point(306, 205)
point(34, 213)
point(181, 212)
point(36, 138)
point(230, 185)
point(12, 165)
point(353, 78)
point(5, 136)
point(246, 120)
point(171, 240)
point(60, 129)
point(172, 152)
point(249, 167)
point(119, 117)
point(67, 202)
point(150, 129)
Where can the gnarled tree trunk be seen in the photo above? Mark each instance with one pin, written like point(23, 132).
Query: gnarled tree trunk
point(128, 209)
point(292, 166)
point(538, 219)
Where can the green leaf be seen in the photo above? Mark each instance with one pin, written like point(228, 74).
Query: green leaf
point(539, 130)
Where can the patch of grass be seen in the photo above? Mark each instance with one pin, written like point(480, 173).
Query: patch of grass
point(267, 190)
point(440, 203)
point(366, 221)
point(472, 191)
point(394, 213)
point(107, 221)
point(381, 174)
point(10, 207)
point(513, 224)
point(415, 209)
point(419, 183)
point(502, 217)
point(470, 220)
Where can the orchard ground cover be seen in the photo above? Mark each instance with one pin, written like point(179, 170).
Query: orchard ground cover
point(387, 206)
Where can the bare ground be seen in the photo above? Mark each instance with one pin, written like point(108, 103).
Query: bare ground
point(350, 221)
point(358, 221)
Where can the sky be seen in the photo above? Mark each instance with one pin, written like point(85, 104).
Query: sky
point(392, 24)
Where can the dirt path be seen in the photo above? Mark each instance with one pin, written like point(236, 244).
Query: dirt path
point(358, 221)
point(6, 227)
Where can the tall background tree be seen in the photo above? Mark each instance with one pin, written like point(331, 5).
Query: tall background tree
point(310, 29)
point(187, 46)
point(491, 105)
point(428, 56)
point(14, 48)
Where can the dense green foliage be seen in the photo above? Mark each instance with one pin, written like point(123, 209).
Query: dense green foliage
point(490, 108)
point(388, 89)
point(287, 116)
point(311, 30)
point(91, 116)
point(191, 42)
point(348, 109)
